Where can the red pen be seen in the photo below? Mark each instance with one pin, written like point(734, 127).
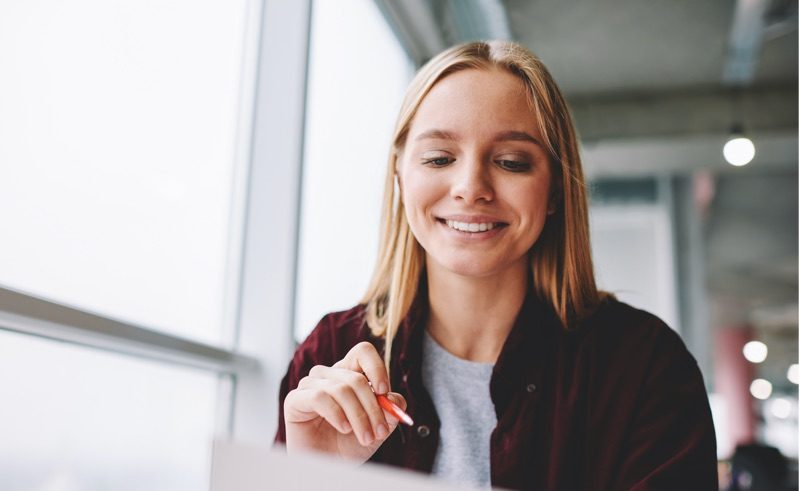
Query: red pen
point(394, 409)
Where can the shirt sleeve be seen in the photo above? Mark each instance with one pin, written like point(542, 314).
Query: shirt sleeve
point(671, 443)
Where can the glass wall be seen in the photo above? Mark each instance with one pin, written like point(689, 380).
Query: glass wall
point(357, 77)
point(120, 135)
point(74, 418)
point(117, 149)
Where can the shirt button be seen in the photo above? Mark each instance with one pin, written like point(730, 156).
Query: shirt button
point(405, 378)
point(423, 431)
point(531, 388)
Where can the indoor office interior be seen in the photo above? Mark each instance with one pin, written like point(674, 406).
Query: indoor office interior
point(187, 187)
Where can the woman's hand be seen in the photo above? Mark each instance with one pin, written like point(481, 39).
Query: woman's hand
point(334, 409)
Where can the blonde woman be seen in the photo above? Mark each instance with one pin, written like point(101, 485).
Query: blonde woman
point(483, 320)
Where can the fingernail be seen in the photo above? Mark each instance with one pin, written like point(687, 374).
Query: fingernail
point(381, 431)
point(368, 438)
point(383, 388)
point(346, 427)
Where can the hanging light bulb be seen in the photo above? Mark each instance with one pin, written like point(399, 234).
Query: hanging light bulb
point(755, 351)
point(739, 150)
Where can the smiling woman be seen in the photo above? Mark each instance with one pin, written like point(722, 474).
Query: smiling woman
point(483, 320)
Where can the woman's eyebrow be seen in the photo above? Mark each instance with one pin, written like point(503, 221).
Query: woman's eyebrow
point(516, 136)
point(436, 135)
point(500, 137)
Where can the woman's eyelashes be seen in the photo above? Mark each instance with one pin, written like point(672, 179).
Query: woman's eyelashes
point(439, 161)
point(515, 164)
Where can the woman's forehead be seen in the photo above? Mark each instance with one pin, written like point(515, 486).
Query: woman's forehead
point(475, 100)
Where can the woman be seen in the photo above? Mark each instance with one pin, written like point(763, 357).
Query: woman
point(483, 319)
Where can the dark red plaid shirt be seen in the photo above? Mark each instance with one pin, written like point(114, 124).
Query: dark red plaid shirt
point(618, 403)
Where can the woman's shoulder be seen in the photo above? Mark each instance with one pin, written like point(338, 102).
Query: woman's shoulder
point(617, 325)
point(351, 319)
point(632, 348)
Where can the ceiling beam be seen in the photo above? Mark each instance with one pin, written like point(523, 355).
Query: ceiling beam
point(646, 157)
point(745, 42)
point(685, 113)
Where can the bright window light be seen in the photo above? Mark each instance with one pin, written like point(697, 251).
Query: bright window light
point(117, 147)
point(74, 418)
point(357, 77)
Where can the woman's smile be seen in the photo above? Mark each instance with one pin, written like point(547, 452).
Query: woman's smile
point(472, 228)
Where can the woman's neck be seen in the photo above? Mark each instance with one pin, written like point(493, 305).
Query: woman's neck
point(471, 317)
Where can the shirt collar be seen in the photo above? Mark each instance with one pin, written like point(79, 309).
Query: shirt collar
point(529, 340)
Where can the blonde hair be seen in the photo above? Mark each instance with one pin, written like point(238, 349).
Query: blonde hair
point(561, 260)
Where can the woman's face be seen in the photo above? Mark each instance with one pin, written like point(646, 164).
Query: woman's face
point(474, 175)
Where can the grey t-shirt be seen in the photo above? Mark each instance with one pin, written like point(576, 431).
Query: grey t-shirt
point(460, 392)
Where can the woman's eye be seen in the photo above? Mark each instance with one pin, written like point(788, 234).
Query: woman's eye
point(438, 161)
point(514, 165)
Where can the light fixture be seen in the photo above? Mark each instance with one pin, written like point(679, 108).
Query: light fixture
point(755, 351)
point(761, 389)
point(780, 407)
point(739, 150)
point(793, 374)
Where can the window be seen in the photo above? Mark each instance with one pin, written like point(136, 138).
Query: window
point(118, 147)
point(149, 176)
point(122, 136)
point(357, 77)
point(77, 418)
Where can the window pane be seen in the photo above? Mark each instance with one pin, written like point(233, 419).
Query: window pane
point(72, 418)
point(117, 145)
point(357, 78)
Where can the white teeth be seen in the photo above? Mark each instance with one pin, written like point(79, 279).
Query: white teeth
point(469, 227)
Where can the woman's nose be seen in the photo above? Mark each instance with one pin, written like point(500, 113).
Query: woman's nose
point(471, 182)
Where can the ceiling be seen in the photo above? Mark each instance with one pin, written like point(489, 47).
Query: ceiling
point(654, 87)
point(613, 46)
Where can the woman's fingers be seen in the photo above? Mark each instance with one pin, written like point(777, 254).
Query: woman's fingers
point(358, 401)
point(344, 395)
point(364, 358)
point(301, 406)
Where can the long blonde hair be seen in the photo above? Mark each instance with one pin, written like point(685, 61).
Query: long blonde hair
point(561, 260)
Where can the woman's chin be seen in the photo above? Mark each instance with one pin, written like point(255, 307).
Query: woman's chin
point(473, 267)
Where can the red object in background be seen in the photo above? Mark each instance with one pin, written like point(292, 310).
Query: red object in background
point(733, 375)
